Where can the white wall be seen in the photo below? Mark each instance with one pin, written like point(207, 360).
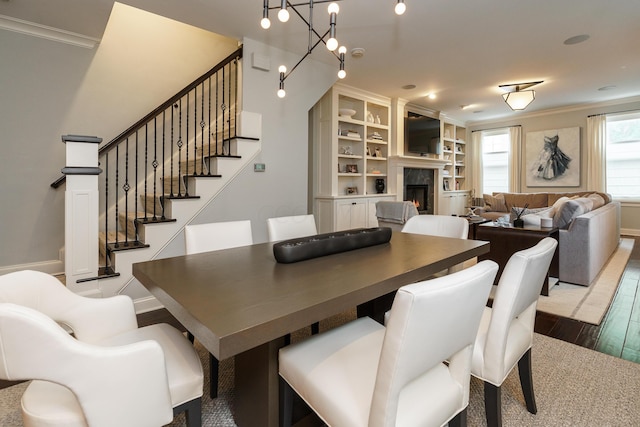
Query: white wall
point(50, 89)
point(567, 118)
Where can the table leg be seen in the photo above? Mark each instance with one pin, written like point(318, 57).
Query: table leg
point(256, 386)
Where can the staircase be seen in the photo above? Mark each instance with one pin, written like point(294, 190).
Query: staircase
point(162, 171)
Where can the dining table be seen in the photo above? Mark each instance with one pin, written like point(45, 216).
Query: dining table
point(241, 302)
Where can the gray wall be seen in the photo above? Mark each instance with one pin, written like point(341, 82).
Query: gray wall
point(567, 118)
point(49, 89)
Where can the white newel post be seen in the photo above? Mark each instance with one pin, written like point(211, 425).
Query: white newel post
point(81, 213)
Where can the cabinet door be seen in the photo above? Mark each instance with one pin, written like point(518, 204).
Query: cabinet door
point(351, 214)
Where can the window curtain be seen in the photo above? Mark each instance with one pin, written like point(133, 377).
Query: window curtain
point(515, 159)
point(476, 164)
point(597, 153)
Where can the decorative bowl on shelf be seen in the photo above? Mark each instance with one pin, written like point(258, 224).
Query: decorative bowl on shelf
point(346, 112)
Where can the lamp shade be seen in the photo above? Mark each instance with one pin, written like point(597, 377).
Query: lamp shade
point(519, 100)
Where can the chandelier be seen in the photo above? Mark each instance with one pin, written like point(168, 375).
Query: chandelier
point(315, 38)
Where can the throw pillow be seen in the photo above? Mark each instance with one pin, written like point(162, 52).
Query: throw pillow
point(598, 200)
point(570, 210)
point(494, 203)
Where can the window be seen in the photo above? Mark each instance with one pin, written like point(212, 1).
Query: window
point(623, 155)
point(495, 161)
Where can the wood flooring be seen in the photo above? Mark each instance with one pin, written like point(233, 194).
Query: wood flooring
point(619, 332)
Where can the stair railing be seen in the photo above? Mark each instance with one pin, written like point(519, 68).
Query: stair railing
point(151, 160)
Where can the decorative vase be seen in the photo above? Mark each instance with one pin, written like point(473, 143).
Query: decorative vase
point(380, 185)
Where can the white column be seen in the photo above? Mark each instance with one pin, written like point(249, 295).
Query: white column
point(81, 213)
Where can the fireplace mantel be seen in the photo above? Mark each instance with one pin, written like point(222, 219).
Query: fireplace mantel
point(417, 162)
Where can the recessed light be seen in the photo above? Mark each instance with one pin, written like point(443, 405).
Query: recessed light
point(408, 87)
point(431, 96)
point(610, 87)
point(577, 39)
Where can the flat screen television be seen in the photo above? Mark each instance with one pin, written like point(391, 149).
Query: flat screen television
point(421, 134)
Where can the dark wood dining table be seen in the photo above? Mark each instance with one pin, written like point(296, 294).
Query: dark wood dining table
point(241, 302)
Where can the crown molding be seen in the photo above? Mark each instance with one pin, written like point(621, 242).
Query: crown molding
point(45, 32)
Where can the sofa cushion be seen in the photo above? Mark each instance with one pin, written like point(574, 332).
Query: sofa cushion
point(494, 203)
point(571, 209)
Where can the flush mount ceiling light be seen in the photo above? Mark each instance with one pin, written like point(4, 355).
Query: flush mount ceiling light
point(517, 97)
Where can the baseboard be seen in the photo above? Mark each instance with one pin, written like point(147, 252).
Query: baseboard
point(146, 304)
point(629, 232)
point(53, 267)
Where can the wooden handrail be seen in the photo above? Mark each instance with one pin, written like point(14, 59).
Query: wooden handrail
point(140, 123)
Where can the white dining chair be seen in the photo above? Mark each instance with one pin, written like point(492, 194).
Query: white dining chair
point(439, 225)
point(291, 227)
point(215, 236)
point(366, 374)
point(505, 335)
point(106, 372)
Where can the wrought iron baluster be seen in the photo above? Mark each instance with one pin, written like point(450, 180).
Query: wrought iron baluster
point(126, 187)
point(209, 129)
point(180, 143)
point(171, 165)
point(155, 165)
point(146, 171)
point(223, 107)
point(137, 182)
point(186, 150)
point(164, 160)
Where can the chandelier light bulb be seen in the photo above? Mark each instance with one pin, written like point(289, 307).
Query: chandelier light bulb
point(283, 15)
point(281, 93)
point(342, 74)
point(342, 49)
point(332, 44)
point(265, 23)
point(282, 69)
point(333, 8)
point(400, 7)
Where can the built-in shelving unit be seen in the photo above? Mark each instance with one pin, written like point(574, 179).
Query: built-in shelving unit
point(351, 131)
point(454, 152)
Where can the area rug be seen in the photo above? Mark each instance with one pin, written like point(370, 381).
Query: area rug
point(589, 303)
point(574, 386)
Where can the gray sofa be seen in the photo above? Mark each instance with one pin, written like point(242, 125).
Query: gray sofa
point(587, 240)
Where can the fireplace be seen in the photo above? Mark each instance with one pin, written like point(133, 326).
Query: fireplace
point(419, 188)
point(419, 195)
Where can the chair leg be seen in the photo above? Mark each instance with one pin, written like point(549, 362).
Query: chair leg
point(286, 404)
point(459, 420)
point(493, 405)
point(192, 411)
point(213, 376)
point(315, 328)
point(526, 381)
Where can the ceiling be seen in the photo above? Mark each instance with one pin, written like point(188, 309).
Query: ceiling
point(460, 50)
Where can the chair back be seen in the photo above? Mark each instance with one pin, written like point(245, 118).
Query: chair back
point(291, 227)
point(430, 322)
point(217, 235)
point(438, 225)
point(34, 347)
point(510, 332)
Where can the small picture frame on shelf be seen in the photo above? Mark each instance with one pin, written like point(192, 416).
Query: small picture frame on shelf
point(352, 168)
point(350, 191)
point(377, 152)
point(445, 185)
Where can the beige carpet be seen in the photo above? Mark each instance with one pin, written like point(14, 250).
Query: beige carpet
point(589, 303)
point(573, 386)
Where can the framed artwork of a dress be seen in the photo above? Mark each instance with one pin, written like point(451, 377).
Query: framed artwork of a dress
point(552, 158)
